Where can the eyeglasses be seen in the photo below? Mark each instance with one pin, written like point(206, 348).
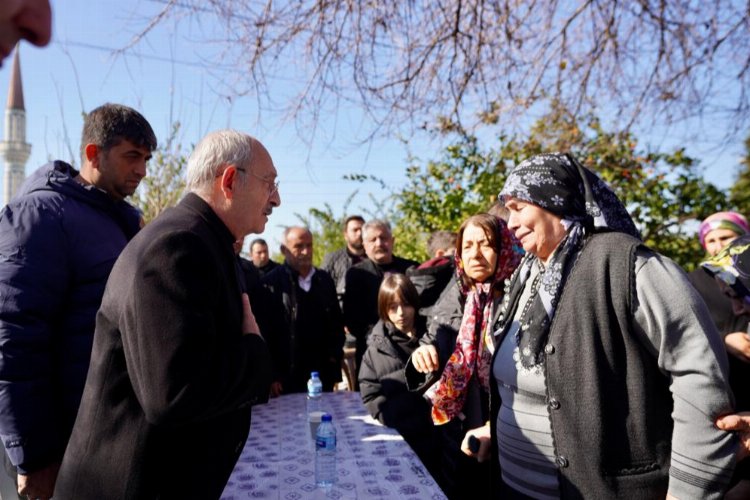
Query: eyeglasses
point(273, 186)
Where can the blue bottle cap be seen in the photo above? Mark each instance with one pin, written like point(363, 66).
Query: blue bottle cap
point(326, 417)
point(314, 375)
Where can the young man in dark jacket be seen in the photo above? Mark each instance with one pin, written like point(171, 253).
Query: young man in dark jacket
point(59, 238)
point(338, 262)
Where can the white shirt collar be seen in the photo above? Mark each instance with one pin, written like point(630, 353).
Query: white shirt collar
point(306, 282)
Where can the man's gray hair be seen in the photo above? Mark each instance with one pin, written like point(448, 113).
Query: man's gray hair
point(377, 224)
point(214, 152)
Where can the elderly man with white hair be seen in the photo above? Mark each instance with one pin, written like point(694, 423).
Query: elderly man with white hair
point(178, 359)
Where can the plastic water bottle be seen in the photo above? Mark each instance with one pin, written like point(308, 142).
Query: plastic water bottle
point(325, 452)
point(314, 393)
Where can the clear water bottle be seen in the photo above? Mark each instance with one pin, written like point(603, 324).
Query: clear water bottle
point(325, 452)
point(314, 393)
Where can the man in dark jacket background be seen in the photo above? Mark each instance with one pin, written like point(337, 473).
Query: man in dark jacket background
point(312, 336)
point(432, 276)
point(260, 257)
point(363, 282)
point(338, 262)
point(177, 360)
point(59, 238)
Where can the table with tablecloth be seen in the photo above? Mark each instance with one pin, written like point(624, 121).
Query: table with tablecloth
point(372, 461)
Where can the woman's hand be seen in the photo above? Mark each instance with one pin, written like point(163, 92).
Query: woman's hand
point(425, 359)
point(739, 423)
point(738, 345)
point(482, 434)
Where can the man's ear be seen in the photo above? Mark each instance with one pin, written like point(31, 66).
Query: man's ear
point(91, 152)
point(227, 181)
point(284, 251)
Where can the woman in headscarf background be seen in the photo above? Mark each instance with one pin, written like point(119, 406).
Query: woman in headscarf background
point(714, 234)
point(486, 256)
point(608, 371)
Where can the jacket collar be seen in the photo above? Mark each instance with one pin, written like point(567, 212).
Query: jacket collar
point(196, 204)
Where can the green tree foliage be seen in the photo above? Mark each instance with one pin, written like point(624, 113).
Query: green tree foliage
point(164, 184)
point(740, 191)
point(664, 192)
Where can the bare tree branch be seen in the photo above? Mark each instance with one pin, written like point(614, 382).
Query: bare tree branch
point(466, 61)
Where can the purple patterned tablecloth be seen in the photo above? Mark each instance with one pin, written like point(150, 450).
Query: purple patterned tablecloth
point(372, 461)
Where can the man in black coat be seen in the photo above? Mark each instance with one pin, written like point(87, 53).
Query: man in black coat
point(363, 282)
point(338, 262)
point(260, 257)
point(312, 336)
point(178, 359)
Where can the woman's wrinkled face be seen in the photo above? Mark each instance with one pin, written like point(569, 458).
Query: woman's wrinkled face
point(538, 230)
point(717, 239)
point(401, 315)
point(478, 256)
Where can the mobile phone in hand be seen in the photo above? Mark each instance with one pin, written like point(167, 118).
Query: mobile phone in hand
point(473, 444)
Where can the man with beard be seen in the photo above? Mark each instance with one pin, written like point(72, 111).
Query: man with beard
point(59, 238)
point(338, 262)
point(313, 333)
point(363, 282)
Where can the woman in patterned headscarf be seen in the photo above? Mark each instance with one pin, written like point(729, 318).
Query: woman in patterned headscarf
point(486, 255)
point(602, 343)
point(714, 234)
point(720, 229)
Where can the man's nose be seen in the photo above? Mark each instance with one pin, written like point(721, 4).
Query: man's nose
point(141, 169)
point(275, 199)
point(35, 22)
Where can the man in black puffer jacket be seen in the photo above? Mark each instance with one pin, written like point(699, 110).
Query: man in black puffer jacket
point(59, 238)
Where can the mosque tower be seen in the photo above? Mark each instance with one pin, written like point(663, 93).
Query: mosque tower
point(13, 147)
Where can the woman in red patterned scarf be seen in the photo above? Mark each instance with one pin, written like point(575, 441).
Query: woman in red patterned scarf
point(487, 253)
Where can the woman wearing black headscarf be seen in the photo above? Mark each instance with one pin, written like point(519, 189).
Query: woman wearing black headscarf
point(608, 371)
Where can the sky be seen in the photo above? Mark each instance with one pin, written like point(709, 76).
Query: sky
point(169, 77)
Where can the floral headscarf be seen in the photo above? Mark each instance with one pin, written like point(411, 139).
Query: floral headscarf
point(723, 220)
point(559, 184)
point(474, 345)
point(732, 266)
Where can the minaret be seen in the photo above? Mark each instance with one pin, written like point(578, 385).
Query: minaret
point(14, 148)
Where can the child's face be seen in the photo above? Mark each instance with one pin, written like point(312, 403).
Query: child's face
point(401, 315)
